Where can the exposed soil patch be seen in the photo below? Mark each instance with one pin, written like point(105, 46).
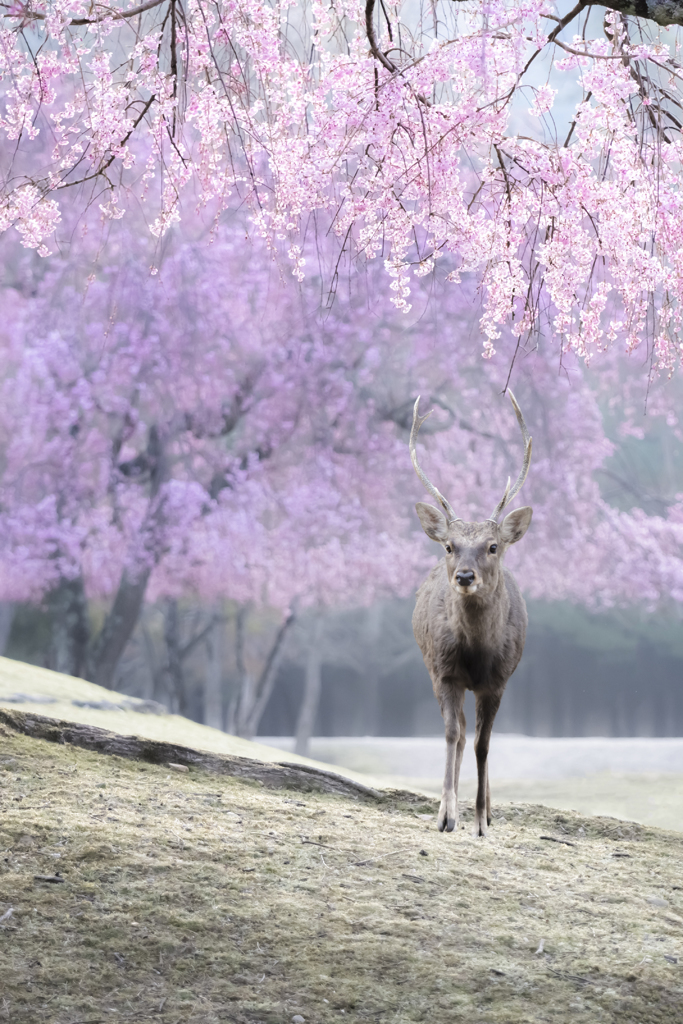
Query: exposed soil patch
point(132, 891)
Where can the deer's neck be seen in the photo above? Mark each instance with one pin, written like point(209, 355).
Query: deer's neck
point(479, 619)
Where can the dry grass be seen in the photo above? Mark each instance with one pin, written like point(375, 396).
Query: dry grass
point(646, 797)
point(649, 799)
point(649, 795)
point(189, 900)
point(59, 692)
point(652, 799)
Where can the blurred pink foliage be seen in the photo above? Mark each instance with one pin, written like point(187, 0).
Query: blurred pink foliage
point(431, 139)
point(210, 430)
point(217, 436)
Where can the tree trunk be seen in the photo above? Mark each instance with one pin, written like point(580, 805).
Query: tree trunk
point(371, 681)
point(308, 711)
point(67, 606)
point(266, 682)
point(371, 673)
point(123, 617)
point(174, 658)
point(118, 627)
point(6, 619)
point(670, 13)
point(234, 697)
point(242, 701)
point(663, 14)
point(213, 680)
point(253, 695)
point(231, 714)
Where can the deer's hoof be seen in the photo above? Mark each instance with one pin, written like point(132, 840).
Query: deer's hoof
point(448, 816)
point(480, 829)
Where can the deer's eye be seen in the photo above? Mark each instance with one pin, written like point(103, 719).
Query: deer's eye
point(493, 549)
point(448, 549)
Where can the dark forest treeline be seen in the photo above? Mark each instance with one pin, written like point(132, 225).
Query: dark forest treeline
point(582, 674)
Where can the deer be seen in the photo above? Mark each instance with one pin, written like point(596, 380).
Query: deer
point(470, 623)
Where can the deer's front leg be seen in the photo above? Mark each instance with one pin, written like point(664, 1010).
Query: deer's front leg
point(460, 748)
point(452, 699)
point(487, 706)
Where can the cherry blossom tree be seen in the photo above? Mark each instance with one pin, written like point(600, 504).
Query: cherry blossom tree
point(634, 556)
point(165, 435)
point(153, 433)
point(536, 146)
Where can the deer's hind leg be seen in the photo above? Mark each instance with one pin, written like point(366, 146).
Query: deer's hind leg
point(451, 701)
point(488, 796)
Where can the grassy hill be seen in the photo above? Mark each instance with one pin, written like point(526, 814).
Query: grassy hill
point(30, 688)
point(130, 891)
point(652, 799)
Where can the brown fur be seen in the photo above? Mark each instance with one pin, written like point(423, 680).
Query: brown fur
point(471, 638)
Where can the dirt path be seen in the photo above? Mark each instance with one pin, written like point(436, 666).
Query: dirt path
point(187, 898)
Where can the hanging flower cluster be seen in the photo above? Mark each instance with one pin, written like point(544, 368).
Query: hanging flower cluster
point(537, 148)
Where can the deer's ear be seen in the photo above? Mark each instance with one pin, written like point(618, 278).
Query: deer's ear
point(515, 525)
point(433, 522)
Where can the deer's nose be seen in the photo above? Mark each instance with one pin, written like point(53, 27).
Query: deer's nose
point(464, 577)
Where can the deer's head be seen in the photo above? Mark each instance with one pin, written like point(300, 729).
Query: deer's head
point(473, 550)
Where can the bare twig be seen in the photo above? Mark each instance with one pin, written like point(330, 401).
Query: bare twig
point(124, 140)
point(312, 842)
point(553, 839)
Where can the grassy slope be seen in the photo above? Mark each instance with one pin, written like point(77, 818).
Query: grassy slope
point(17, 677)
point(647, 797)
point(193, 899)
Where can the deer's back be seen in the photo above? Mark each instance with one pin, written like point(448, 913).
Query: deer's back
point(481, 647)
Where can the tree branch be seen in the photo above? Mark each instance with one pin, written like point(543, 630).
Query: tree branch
point(189, 647)
point(372, 38)
point(266, 681)
point(116, 15)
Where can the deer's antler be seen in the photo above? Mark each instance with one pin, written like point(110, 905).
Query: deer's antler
point(435, 493)
point(509, 494)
